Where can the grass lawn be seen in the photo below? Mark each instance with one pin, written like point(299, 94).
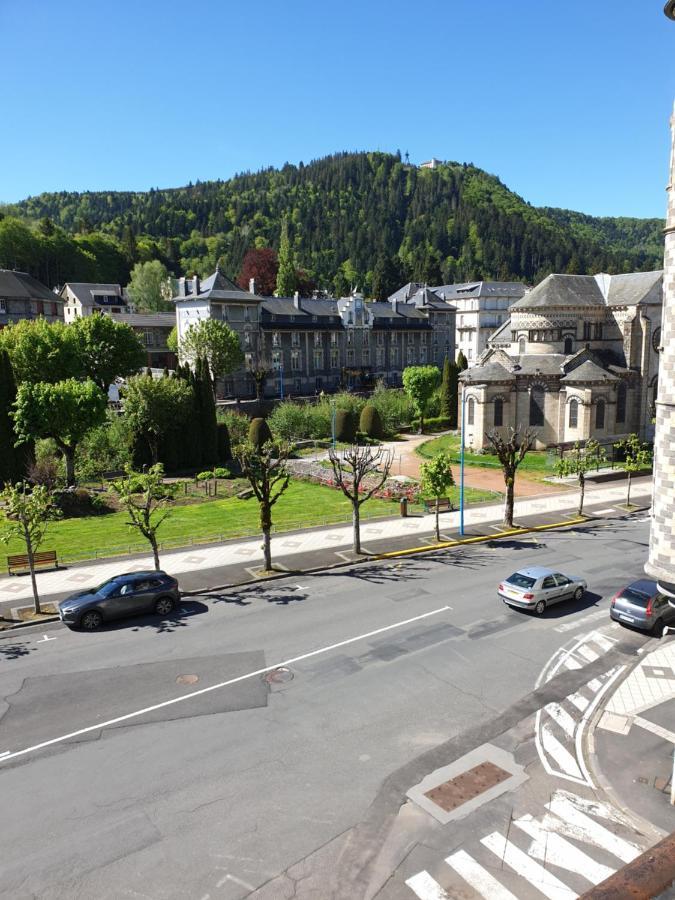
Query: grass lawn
point(536, 461)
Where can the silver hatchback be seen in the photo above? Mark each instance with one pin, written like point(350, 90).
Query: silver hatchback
point(537, 587)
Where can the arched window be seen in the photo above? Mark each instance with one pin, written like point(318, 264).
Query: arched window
point(600, 414)
point(499, 412)
point(569, 345)
point(574, 413)
point(621, 403)
point(522, 344)
point(471, 411)
point(537, 406)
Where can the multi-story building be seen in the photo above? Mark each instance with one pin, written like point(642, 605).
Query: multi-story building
point(24, 297)
point(86, 299)
point(310, 345)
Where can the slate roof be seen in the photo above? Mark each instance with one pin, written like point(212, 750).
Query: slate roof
point(216, 287)
point(22, 286)
point(427, 298)
point(146, 320)
point(557, 291)
point(588, 372)
point(451, 292)
point(539, 364)
point(407, 291)
point(84, 291)
point(491, 371)
point(634, 288)
point(503, 333)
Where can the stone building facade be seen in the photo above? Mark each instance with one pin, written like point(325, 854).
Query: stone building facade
point(313, 345)
point(661, 564)
point(577, 359)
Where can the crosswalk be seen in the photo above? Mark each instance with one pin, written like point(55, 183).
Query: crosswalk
point(571, 844)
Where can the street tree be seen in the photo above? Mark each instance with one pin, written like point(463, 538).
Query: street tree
point(637, 457)
point(286, 274)
point(267, 473)
point(107, 349)
point(216, 342)
point(578, 461)
point(147, 501)
point(64, 411)
point(419, 383)
point(40, 351)
point(151, 286)
point(359, 472)
point(511, 451)
point(28, 512)
point(154, 406)
point(437, 479)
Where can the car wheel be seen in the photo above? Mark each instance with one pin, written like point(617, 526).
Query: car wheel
point(91, 620)
point(540, 607)
point(657, 628)
point(578, 594)
point(163, 606)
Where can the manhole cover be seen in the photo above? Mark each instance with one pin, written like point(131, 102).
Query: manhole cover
point(465, 787)
point(187, 679)
point(278, 676)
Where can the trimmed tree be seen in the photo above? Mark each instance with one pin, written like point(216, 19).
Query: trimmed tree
point(462, 361)
point(510, 452)
point(13, 459)
point(578, 461)
point(27, 516)
point(351, 468)
point(637, 457)
point(449, 392)
point(419, 383)
point(64, 411)
point(153, 406)
point(370, 422)
point(206, 414)
point(107, 349)
point(146, 498)
point(266, 471)
point(345, 426)
point(437, 478)
point(259, 433)
point(216, 342)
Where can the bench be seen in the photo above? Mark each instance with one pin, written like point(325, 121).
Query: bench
point(42, 559)
point(444, 505)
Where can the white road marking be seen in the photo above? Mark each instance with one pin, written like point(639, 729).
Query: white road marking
point(228, 877)
point(478, 877)
point(426, 887)
point(579, 701)
point(562, 717)
point(655, 729)
point(566, 762)
point(521, 863)
point(588, 654)
point(570, 662)
point(580, 623)
point(45, 638)
point(577, 825)
point(594, 685)
point(602, 641)
point(214, 687)
point(4, 753)
point(603, 512)
point(610, 677)
point(552, 849)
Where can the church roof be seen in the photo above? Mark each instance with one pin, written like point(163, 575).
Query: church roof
point(491, 371)
point(503, 333)
point(451, 292)
point(588, 372)
point(557, 291)
point(634, 288)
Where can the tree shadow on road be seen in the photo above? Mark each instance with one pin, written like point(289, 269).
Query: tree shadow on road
point(280, 595)
point(14, 651)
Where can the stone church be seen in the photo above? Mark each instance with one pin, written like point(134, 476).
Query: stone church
point(577, 359)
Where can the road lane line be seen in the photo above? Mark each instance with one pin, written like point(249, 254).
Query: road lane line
point(426, 887)
point(520, 862)
point(222, 684)
point(478, 877)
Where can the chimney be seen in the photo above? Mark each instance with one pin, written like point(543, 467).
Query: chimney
point(195, 284)
point(251, 285)
point(394, 305)
point(296, 300)
point(181, 287)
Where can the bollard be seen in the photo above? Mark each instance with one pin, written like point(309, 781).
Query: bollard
point(404, 507)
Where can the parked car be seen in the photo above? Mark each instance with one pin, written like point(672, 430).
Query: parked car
point(641, 605)
point(124, 595)
point(536, 588)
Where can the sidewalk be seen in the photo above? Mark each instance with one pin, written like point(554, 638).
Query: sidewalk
point(232, 562)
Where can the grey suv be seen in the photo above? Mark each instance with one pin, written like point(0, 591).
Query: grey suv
point(641, 605)
point(124, 595)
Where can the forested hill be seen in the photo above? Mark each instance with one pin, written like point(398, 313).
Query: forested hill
point(354, 218)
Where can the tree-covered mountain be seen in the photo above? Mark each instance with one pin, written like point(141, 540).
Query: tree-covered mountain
point(364, 219)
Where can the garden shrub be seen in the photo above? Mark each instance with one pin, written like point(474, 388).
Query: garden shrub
point(394, 407)
point(237, 425)
point(345, 426)
point(221, 472)
point(435, 423)
point(289, 421)
point(370, 422)
point(259, 433)
point(224, 444)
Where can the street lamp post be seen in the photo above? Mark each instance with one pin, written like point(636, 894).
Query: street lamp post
point(461, 469)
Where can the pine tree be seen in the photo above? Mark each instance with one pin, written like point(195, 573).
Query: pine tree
point(286, 276)
point(449, 390)
point(12, 459)
point(462, 362)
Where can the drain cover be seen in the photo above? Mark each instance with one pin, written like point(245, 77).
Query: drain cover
point(278, 676)
point(187, 679)
point(467, 786)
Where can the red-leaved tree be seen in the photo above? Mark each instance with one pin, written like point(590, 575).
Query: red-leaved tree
point(261, 264)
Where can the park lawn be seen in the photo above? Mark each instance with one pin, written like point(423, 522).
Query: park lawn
point(536, 461)
point(303, 504)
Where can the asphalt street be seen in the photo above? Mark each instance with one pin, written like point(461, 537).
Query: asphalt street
point(206, 754)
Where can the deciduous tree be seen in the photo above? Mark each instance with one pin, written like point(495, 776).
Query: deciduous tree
point(154, 406)
point(151, 287)
point(419, 383)
point(40, 351)
point(286, 274)
point(637, 457)
point(511, 451)
point(437, 479)
point(146, 499)
point(579, 460)
point(216, 342)
point(267, 473)
point(107, 349)
point(359, 472)
point(261, 264)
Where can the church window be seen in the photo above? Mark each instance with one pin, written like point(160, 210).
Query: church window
point(587, 331)
point(574, 413)
point(569, 345)
point(621, 403)
point(471, 411)
point(597, 331)
point(537, 406)
point(600, 414)
point(499, 412)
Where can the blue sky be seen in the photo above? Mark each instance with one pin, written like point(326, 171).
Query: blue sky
point(567, 102)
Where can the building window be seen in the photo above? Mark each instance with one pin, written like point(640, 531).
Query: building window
point(499, 412)
point(537, 406)
point(394, 338)
point(247, 314)
point(469, 354)
point(335, 359)
point(522, 344)
point(296, 360)
point(295, 339)
point(276, 360)
point(423, 355)
point(423, 338)
point(334, 338)
point(597, 331)
point(350, 338)
point(587, 331)
point(393, 357)
point(600, 414)
point(248, 360)
point(317, 339)
point(380, 338)
point(365, 356)
point(247, 339)
point(411, 355)
point(569, 345)
point(147, 338)
point(318, 359)
point(470, 411)
point(573, 419)
point(350, 357)
point(3, 306)
point(621, 403)
point(380, 357)
point(275, 339)
point(365, 338)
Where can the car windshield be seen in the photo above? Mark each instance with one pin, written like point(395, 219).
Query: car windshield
point(637, 598)
point(520, 580)
point(107, 588)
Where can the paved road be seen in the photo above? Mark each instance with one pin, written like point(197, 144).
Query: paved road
point(122, 778)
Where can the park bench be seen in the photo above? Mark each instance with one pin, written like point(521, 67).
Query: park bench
point(444, 505)
point(42, 559)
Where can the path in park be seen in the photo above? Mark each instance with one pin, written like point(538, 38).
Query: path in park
point(407, 462)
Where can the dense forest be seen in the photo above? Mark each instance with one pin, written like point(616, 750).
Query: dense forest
point(365, 219)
